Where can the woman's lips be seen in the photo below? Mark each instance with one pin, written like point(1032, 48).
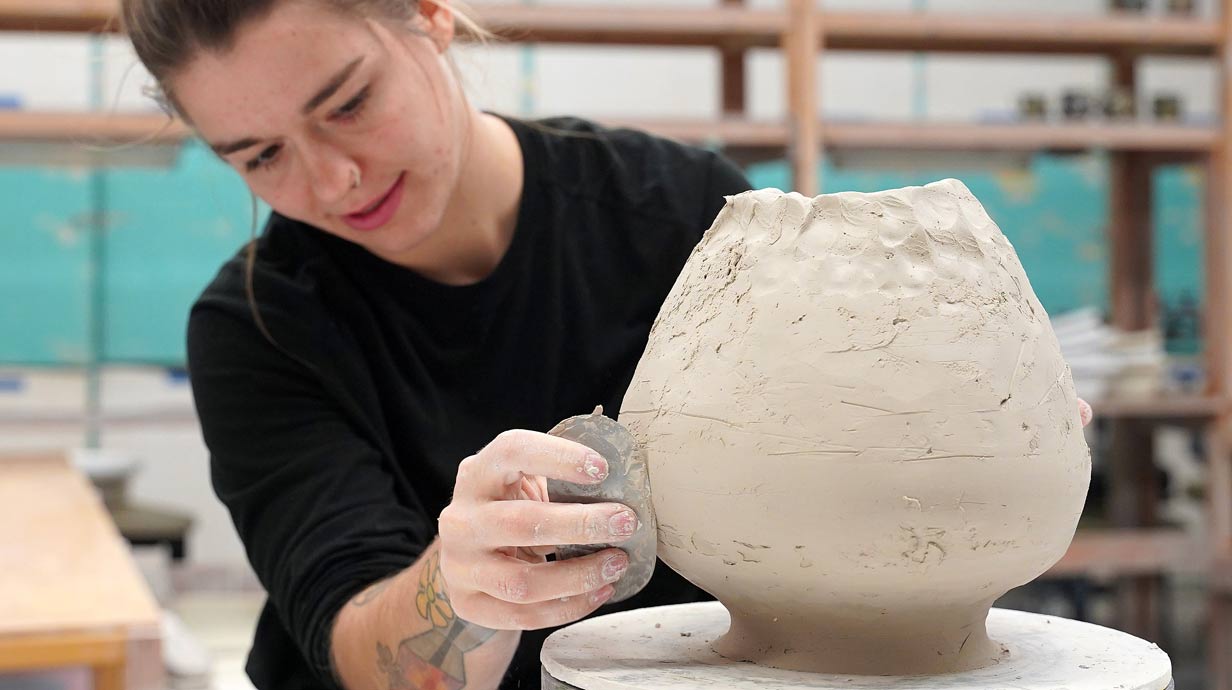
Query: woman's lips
point(380, 215)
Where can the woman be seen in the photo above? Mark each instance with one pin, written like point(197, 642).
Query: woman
point(432, 276)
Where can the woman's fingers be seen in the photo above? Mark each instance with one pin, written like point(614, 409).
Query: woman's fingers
point(529, 523)
point(490, 612)
point(513, 455)
point(534, 489)
point(517, 582)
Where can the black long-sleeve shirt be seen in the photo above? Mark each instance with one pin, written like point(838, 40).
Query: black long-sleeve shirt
point(336, 450)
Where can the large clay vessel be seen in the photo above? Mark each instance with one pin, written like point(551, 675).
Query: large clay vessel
point(860, 429)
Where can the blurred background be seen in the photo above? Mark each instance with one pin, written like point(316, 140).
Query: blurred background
point(1091, 130)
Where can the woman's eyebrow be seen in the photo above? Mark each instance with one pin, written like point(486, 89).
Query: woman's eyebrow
point(332, 86)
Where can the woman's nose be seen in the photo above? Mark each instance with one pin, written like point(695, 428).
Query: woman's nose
point(331, 174)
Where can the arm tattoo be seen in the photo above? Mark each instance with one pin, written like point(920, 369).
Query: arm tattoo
point(433, 660)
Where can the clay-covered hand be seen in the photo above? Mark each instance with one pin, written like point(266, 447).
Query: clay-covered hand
point(496, 533)
point(1085, 413)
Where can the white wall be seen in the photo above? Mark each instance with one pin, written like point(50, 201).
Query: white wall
point(586, 81)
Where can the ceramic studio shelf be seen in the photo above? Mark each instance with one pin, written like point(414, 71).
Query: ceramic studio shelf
point(1018, 33)
point(740, 27)
point(942, 136)
point(883, 31)
point(736, 27)
point(56, 15)
point(1165, 407)
point(649, 25)
point(1021, 137)
point(90, 128)
point(770, 137)
point(1130, 552)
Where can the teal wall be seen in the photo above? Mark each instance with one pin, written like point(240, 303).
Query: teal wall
point(167, 232)
point(170, 230)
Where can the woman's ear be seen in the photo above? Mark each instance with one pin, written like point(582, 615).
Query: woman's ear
point(436, 20)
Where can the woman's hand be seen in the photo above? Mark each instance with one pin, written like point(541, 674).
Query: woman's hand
point(500, 525)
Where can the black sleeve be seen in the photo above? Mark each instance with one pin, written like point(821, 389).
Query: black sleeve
point(311, 499)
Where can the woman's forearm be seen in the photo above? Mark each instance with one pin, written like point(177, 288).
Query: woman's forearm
point(402, 633)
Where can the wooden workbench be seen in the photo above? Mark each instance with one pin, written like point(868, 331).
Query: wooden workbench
point(70, 593)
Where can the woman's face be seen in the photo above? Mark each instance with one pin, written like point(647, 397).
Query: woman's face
point(307, 101)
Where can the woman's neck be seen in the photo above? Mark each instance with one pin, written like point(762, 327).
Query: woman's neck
point(478, 225)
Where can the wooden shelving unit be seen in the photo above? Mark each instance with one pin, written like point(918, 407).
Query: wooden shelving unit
point(800, 31)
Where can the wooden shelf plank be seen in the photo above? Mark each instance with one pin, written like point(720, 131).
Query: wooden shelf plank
point(884, 31)
point(90, 128)
point(650, 25)
point(947, 137)
point(730, 26)
point(1019, 34)
point(1020, 137)
point(729, 132)
point(1125, 552)
point(58, 15)
point(1164, 407)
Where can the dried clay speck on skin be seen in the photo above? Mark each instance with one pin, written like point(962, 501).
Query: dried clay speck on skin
point(859, 427)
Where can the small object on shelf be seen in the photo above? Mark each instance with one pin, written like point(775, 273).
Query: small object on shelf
point(1032, 107)
point(1168, 107)
point(1128, 5)
point(1182, 7)
point(1120, 104)
point(1108, 362)
point(1076, 104)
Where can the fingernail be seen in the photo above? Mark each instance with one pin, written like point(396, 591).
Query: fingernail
point(601, 595)
point(614, 567)
point(595, 467)
point(623, 524)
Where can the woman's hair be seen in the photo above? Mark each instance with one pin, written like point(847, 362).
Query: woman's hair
point(168, 34)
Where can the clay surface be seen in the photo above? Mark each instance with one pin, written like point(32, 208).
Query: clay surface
point(860, 429)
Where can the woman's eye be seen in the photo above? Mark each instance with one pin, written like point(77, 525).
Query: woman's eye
point(263, 160)
point(352, 107)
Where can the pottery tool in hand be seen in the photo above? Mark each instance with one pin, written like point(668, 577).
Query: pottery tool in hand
point(627, 483)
